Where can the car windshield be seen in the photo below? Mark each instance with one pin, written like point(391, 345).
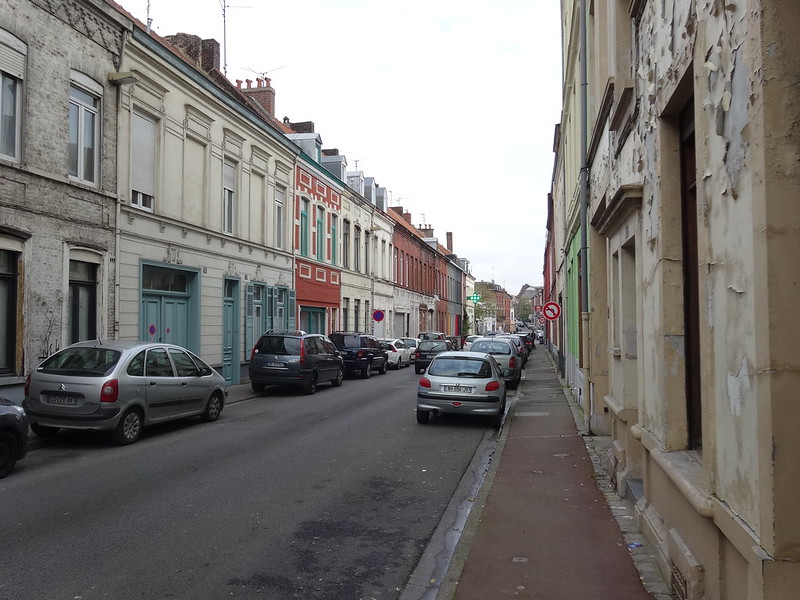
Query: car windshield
point(460, 367)
point(346, 340)
point(275, 344)
point(491, 347)
point(89, 362)
point(432, 345)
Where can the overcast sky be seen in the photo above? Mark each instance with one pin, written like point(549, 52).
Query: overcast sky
point(451, 105)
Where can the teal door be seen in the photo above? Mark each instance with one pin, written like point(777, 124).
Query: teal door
point(165, 319)
point(230, 363)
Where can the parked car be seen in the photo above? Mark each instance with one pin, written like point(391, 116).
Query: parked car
point(468, 341)
point(506, 354)
point(426, 350)
point(456, 341)
point(522, 349)
point(295, 358)
point(398, 353)
point(412, 344)
point(362, 353)
point(13, 435)
point(463, 383)
point(121, 387)
point(431, 335)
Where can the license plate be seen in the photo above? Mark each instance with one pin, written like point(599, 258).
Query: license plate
point(465, 389)
point(275, 364)
point(63, 400)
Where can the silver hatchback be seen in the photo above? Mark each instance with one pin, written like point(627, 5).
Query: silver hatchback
point(461, 382)
point(121, 387)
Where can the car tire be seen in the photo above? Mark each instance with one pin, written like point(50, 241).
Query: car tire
point(384, 368)
point(417, 370)
point(9, 447)
point(43, 431)
point(129, 427)
point(213, 408)
point(339, 379)
point(257, 387)
point(423, 416)
point(311, 387)
point(367, 372)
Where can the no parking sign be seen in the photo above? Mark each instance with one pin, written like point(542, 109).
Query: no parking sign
point(377, 315)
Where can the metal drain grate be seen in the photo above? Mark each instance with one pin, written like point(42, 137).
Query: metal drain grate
point(531, 414)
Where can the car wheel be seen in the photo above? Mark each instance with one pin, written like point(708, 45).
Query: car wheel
point(311, 386)
point(8, 452)
point(339, 379)
point(257, 387)
point(129, 427)
point(213, 408)
point(423, 416)
point(367, 372)
point(384, 368)
point(44, 431)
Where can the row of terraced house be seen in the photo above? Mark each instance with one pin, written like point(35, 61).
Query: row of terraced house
point(144, 196)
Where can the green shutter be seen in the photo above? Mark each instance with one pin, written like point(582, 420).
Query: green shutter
point(249, 333)
point(291, 310)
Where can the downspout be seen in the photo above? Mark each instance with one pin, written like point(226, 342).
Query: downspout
point(584, 200)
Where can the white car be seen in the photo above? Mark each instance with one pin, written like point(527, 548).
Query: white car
point(468, 342)
point(399, 353)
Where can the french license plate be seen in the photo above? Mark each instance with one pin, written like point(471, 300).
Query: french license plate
point(62, 400)
point(275, 364)
point(464, 389)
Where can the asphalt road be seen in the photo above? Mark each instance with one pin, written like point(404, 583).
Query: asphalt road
point(323, 497)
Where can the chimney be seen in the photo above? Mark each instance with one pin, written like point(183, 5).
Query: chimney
point(263, 94)
point(407, 217)
point(450, 240)
point(210, 57)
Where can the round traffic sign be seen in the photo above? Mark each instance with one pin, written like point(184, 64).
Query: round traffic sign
point(377, 315)
point(551, 311)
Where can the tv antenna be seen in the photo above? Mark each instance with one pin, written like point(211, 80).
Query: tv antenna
point(263, 74)
point(225, 7)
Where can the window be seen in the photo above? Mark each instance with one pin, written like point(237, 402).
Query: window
point(8, 311)
point(366, 252)
point(82, 301)
point(12, 70)
point(143, 161)
point(304, 208)
point(345, 314)
point(357, 250)
point(280, 225)
point(334, 239)
point(320, 233)
point(228, 196)
point(346, 245)
point(84, 134)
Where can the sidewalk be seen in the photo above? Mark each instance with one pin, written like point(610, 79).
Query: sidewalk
point(546, 524)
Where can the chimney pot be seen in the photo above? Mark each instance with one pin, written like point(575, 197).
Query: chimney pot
point(239, 83)
point(249, 83)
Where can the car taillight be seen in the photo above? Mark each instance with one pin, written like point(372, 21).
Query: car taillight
point(512, 362)
point(392, 348)
point(425, 382)
point(492, 386)
point(110, 391)
point(302, 352)
point(361, 354)
point(253, 353)
point(27, 385)
point(416, 353)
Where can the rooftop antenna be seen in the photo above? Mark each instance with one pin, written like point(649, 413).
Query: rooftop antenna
point(149, 20)
point(225, 7)
point(263, 74)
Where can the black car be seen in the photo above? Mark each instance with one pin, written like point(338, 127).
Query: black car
point(426, 350)
point(13, 435)
point(362, 353)
point(295, 358)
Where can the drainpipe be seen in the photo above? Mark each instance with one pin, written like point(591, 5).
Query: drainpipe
point(584, 200)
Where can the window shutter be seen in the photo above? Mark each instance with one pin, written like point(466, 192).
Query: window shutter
point(291, 310)
point(270, 316)
point(143, 159)
point(12, 62)
point(249, 334)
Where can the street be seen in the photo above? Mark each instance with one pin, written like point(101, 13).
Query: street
point(329, 496)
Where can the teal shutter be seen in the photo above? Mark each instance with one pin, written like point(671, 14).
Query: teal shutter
point(291, 310)
point(269, 314)
point(249, 333)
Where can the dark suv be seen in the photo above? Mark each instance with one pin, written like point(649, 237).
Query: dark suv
point(295, 358)
point(362, 353)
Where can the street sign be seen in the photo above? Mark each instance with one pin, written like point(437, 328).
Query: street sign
point(377, 315)
point(551, 310)
point(542, 320)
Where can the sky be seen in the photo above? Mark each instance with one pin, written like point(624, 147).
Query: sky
point(451, 105)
